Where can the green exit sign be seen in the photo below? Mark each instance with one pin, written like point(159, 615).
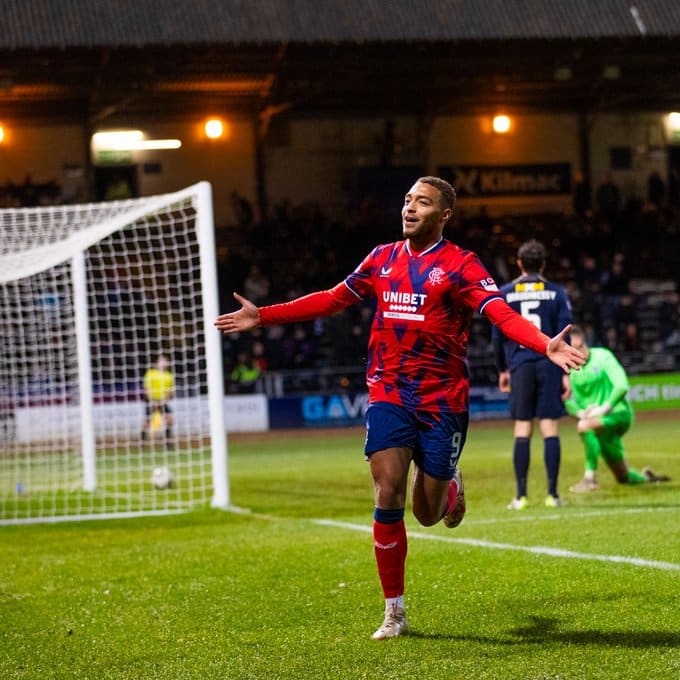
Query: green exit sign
point(113, 157)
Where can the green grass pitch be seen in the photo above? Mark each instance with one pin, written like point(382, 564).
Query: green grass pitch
point(591, 590)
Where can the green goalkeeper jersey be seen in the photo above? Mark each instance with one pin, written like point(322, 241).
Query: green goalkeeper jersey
point(601, 380)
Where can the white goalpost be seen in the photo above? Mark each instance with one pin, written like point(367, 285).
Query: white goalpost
point(91, 296)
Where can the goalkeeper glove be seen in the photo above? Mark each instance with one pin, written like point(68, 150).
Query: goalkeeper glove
point(598, 411)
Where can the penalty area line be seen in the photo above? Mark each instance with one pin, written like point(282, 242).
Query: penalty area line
point(535, 549)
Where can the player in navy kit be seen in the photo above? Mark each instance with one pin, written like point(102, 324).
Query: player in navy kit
point(426, 290)
point(537, 387)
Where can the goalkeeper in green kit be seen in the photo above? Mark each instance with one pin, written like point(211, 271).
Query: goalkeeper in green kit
point(598, 400)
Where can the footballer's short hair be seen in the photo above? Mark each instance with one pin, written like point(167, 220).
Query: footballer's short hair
point(445, 189)
point(578, 331)
point(532, 254)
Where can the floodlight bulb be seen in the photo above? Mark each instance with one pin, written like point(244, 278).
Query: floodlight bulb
point(214, 128)
point(501, 124)
point(674, 120)
point(2, 134)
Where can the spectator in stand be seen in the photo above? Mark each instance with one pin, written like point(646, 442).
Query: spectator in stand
point(245, 374)
point(608, 197)
point(613, 287)
point(612, 339)
point(669, 319)
point(256, 285)
point(631, 337)
point(299, 349)
point(242, 209)
point(355, 335)
point(615, 281)
point(588, 271)
point(626, 314)
point(259, 356)
point(656, 189)
point(587, 304)
point(29, 193)
point(273, 342)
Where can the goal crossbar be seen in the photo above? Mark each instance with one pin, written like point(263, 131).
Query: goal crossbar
point(47, 255)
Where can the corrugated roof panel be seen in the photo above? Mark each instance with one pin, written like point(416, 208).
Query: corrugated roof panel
point(85, 23)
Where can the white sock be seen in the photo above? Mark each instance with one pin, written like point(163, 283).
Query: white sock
point(391, 601)
point(590, 475)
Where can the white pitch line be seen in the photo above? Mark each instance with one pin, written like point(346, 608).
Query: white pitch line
point(516, 516)
point(536, 549)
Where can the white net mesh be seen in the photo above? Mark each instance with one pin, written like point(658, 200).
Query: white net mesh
point(143, 296)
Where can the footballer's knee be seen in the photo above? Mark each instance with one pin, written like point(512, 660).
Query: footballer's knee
point(620, 470)
point(427, 510)
point(389, 496)
point(426, 518)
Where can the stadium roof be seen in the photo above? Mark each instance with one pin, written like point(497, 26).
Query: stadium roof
point(92, 61)
point(40, 24)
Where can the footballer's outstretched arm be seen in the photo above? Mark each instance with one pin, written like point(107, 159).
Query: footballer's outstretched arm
point(305, 308)
point(517, 328)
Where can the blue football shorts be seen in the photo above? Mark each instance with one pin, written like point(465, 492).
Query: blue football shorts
point(536, 391)
point(437, 439)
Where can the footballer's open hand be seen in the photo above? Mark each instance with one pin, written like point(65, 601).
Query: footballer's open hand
point(560, 352)
point(244, 319)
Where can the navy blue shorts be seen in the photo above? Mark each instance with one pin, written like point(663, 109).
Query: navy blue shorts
point(437, 439)
point(536, 391)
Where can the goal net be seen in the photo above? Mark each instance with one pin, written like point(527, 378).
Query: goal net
point(90, 297)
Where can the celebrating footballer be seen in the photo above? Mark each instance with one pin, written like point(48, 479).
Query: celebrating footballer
point(426, 289)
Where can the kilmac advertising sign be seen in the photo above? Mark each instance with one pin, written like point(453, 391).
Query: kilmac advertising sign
point(474, 181)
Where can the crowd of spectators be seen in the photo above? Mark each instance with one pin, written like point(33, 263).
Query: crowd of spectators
point(29, 194)
point(620, 264)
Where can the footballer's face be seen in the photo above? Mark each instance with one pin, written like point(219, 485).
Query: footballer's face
point(422, 216)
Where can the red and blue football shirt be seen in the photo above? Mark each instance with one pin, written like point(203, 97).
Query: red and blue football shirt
point(417, 353)
point(425, 302)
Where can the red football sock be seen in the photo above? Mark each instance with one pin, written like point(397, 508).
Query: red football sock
point(390, 545)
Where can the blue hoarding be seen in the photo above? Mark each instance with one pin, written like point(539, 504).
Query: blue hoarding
point(349, 409)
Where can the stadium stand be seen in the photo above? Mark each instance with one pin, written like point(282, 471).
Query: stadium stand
point(624, 291)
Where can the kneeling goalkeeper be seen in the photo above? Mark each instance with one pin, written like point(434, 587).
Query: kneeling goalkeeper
point(598, 400)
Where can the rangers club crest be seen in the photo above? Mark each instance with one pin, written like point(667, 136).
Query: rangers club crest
point(436, 276)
